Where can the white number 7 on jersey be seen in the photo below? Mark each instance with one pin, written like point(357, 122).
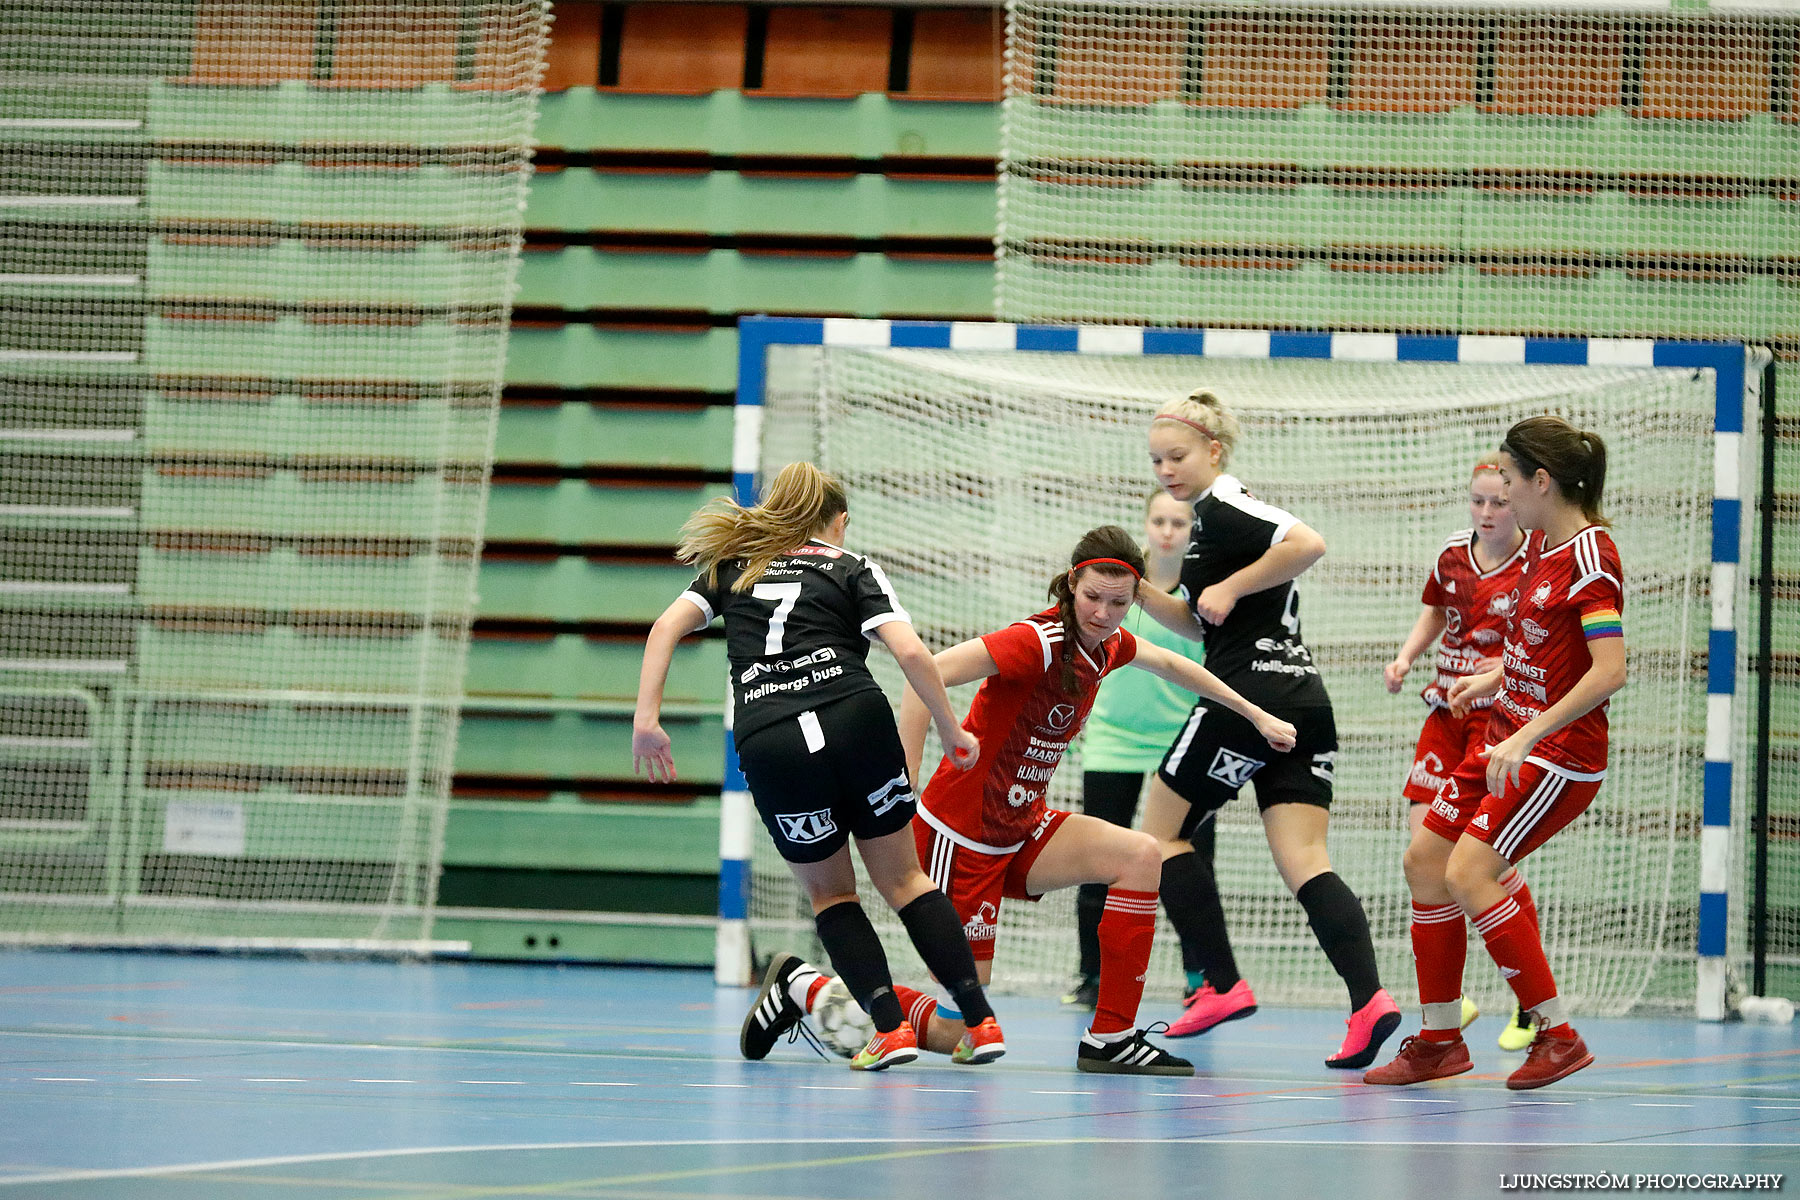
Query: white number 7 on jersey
point(784, 595)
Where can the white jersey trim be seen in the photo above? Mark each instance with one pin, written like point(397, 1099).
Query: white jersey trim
point(1230, 490)
point(1043, 641)
point(1565, 772)
point(887, 589)
point(879, 619)
point(1587, 558)
point(1518, 553)
point(967, 843)
point(699, 602)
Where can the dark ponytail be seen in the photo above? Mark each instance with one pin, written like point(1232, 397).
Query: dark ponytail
point(1106, 542)
point(1576, 460)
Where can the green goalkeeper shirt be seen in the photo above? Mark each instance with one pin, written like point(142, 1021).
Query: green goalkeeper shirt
point(1136, 715)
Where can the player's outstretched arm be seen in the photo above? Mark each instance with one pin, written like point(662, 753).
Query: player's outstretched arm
point(1425, 631)
point(650, 751)
point(925, 684)
point(1605, 676)
point(962, 663)
point(1281, 563)
point(1169, 611)
point(1183, 672)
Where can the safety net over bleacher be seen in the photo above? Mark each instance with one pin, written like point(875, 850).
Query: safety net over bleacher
point(1625, 169)
point(258, 260)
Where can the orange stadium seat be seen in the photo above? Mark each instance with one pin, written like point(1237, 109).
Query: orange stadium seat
point(1084, 72)
point(682, 49)
point(394, 46)
point(1710, 76)
point(1265, 62)
point(573, 57)
point(1411, 64)
point(1558, 67)
point(832, 53)
point(236, 43)
point(956, 55)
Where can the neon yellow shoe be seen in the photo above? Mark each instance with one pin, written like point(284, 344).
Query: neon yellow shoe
point(982, 1044)
point(1469, 1012)
point(1519, 1031)
point(890, 1049)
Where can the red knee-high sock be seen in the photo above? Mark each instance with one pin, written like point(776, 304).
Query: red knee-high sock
point(1440, 944)
point(919, 1008)
point(1518, 952)
point(1514, 883)
point(1127, 928)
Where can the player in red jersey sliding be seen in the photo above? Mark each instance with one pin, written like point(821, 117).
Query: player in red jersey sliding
point(987, 834)
point(1563, 657)
point(1465, 615)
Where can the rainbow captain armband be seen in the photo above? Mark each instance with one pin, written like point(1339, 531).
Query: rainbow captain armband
point(1602, 623)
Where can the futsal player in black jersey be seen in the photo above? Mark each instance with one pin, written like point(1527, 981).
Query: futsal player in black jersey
point(1239, 594)
point(819, 747)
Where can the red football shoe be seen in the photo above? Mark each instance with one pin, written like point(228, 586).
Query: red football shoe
point(1420, 1060)
point(1550, 1058)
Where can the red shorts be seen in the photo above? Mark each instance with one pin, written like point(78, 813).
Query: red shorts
point(1546, 798)
point(1444, 742)
point(976, 877)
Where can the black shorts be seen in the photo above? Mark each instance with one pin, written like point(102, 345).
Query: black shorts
point(1217, 752)
point(829, 773)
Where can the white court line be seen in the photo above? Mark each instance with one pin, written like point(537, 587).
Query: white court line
point(1049, 1093)
point(1412, 1100)
point(384, 1081)
point(62, 1078)
point(1563, 1103)
point(598, 1083)
point(168, 1079)
point(1301, 1097)
point(496, 1082)
point(822, 1087)
point(288, 1160)
point(965, 1091)
point(716, 1085)
point(1777, 1107)
point(1636, 1105)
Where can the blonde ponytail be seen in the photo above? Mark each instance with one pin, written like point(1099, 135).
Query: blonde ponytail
point(801, 502)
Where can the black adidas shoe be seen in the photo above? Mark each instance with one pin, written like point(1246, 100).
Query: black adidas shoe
point(1132, 1055)
point(774, 1012)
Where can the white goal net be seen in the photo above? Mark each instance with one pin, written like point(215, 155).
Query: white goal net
point(972, 473)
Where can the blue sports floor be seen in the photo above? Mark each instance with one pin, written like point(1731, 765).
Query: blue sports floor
point(147, 1076)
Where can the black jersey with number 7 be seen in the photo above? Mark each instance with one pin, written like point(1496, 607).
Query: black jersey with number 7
point(798, 637)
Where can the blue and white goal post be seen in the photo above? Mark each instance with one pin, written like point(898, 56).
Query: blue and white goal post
point(1737, 373)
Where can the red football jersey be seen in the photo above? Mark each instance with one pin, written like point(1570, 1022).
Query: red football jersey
point(1474, 603)
point(1569, 596)
point(1024, 722)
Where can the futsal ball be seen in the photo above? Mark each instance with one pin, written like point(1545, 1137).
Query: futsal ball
point(842, 1024)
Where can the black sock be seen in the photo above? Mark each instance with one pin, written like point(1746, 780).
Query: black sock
point(1090, 903)
point(1191, 898)
point(859, 960)
point(937, 934)
point(1203, 840)
point(1337, 920)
